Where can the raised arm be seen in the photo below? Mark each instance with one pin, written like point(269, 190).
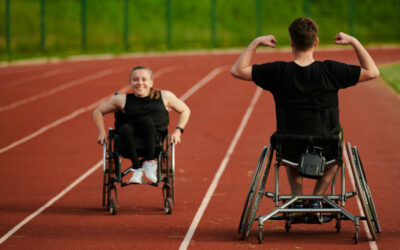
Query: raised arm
point(369, 70)
point(114, 104)
point(173, 102)
point(242, 67)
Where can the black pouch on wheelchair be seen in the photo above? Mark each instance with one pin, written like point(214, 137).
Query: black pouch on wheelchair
point(312, 164)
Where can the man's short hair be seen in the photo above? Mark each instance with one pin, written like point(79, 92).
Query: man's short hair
point(303, 32)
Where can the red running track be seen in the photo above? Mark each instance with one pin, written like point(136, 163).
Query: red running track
point(37, 168)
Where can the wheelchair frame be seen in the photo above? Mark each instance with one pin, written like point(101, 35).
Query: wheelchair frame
point(332, 204)
point(112, 174)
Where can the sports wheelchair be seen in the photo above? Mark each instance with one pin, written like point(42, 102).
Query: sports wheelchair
point(332, 204)
point(112, 152)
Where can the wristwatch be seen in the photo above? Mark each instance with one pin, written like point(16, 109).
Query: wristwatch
point(180, 129)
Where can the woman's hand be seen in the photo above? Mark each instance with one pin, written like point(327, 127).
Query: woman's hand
point(102, 138)
point(175, 137)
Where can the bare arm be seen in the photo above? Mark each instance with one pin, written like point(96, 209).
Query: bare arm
point(242, 67)
point(172, 102)
point(369, 70)
point(115, 104)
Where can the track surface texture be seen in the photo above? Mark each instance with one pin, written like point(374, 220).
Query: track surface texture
point(48, 141)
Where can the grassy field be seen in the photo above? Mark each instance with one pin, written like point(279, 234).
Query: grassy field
point(117, 26)
point(391, 74)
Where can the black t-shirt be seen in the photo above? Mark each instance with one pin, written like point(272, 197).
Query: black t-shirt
point(306, 98)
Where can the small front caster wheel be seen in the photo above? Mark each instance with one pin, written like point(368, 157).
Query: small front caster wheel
point(260, 235)
point(168, 206)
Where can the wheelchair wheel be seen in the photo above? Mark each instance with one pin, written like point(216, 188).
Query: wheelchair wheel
point(168, 169)
point(363, 191)
point(367, 191)
point(168, 206)
point(171, 172)
point(112, 207)
point(256, 192)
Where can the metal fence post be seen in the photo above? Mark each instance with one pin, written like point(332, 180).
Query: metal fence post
point(351, 17)
point(8, 33)
point(126, 25)
point(213, 23)
point(43, 27)
point(169, 25)
point(83, 23)
point(259, 16)
point(306, 8)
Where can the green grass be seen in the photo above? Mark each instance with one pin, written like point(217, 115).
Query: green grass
point(371, 21)
point(391, 74)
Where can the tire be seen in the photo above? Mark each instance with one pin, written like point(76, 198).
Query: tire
point(364, 183)
point(260, 235)
point(113, 207)
point(171, 172)
point(256, 192)
point(362, 192)
point(168, 206)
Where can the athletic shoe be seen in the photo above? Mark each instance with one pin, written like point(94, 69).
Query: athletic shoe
point(315, 204)
point(137, 176)
point(150, 170)
point(315, 217)
point(297, 217)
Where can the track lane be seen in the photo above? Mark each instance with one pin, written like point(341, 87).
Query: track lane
point(97, 179)
point(142, 210)
point(39, 149)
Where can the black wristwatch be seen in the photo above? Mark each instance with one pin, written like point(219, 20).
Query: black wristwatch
point(180, 129)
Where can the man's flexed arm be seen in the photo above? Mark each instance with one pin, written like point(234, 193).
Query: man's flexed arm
point(242, 67)
point(369, 70)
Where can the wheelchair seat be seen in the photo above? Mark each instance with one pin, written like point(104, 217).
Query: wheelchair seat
point(289, 147)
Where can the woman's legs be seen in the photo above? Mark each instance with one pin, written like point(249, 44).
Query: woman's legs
point(127, 134)
point(144, 129)
point(147, 131)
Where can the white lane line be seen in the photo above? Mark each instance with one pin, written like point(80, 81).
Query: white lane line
point(57, 89)
point(50, 202)
point(219, 173)
point(372, 243)
point(31, 78)
point(77, 181)
point(203, 82)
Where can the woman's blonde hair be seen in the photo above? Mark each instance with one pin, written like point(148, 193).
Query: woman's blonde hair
point(154, 94)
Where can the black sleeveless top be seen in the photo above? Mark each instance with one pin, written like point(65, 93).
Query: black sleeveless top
point(137, 107)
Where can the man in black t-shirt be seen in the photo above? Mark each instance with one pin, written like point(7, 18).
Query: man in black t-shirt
point(306, 91)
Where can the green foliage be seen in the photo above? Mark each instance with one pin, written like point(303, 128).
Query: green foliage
point(237, 23)
point(391, 74)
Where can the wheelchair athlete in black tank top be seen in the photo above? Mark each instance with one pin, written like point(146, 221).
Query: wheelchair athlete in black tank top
point(141, 121)
point(145, 121)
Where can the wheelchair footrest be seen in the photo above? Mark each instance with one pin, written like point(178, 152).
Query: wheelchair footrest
point(124, 184)
point(310, 218)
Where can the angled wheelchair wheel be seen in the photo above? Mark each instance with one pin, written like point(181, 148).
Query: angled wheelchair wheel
point(110, 165)
point(256, 192)
point(168, 170)
point(363, 191)
point(106, 166)
point(171, 172)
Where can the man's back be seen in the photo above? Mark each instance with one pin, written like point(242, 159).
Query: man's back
point(306, 98)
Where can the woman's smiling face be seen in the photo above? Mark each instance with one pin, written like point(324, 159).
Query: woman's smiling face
point(141, 82)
